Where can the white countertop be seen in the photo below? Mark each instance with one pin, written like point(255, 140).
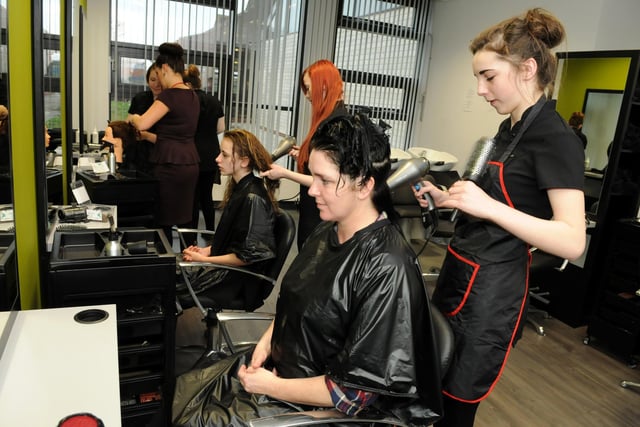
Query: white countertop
point(53, 366)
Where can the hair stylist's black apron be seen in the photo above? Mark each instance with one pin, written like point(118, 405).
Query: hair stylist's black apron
point(483, 292)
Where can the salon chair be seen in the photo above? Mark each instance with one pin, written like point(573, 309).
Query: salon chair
point(444, 341)
point(542, 264)
point(444, 346)
point(256, 288)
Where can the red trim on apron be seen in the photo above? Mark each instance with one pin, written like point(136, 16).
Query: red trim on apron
point(509, 348)
point(476, 267)
point(505, 193)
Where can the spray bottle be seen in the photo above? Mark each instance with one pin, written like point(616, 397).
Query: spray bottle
point(112, 160)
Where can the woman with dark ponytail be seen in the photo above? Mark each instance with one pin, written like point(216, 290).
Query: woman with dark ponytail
point(175, 158)
point(530, 195)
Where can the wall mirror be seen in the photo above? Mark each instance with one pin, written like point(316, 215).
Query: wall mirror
point(5, 141)
point(601, 111)
point(601, 84)
point(8, 283)
point(593, 83)
point(51, 14)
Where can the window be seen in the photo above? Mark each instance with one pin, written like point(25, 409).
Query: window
point(379, 49)
point(249, 55)
point(51, 63)
point(246, 52)
point(138, 27)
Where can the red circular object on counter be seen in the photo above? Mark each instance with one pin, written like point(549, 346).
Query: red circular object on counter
point(81, 420)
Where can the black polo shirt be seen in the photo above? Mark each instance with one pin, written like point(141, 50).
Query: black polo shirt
point(549, 155)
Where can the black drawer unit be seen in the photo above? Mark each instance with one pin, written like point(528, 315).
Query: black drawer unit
point(615, 323)
point(142, 285)
point(133, 192)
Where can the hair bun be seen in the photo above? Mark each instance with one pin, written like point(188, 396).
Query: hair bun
point(544, 27)
point(193, 70)
point(171, 49)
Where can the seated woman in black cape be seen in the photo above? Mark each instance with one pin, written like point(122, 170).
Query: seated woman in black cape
point(352, 327)
point(245, 234)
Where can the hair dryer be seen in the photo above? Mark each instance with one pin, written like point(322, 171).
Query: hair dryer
point(285, 145)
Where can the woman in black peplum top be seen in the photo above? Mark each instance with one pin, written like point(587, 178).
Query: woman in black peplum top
point(175, 158)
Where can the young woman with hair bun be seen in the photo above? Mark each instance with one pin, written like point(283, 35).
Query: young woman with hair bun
point(530, 195)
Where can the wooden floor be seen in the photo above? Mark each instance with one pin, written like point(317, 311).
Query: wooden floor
point(552, 380)
point(556, 380)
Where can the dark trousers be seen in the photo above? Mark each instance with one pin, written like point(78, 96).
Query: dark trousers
point(457, 414)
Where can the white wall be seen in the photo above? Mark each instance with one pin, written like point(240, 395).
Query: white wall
point(96, 65)
point(454, 116)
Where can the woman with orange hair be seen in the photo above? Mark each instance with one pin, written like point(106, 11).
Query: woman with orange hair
point(322, 85)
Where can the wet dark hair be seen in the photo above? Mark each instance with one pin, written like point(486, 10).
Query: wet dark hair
point(361, 150)
point(171, 54)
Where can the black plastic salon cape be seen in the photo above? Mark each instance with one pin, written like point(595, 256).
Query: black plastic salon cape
point(246, 228)
point(357, 312)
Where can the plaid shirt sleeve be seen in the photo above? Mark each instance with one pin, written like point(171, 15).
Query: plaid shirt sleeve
point(349, 400)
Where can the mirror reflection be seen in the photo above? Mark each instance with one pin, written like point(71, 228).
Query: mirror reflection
point(9, 298)
point(593, 86)
point(601, 111)
point(52, 102)
point(5, 156)
point(5, 141)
